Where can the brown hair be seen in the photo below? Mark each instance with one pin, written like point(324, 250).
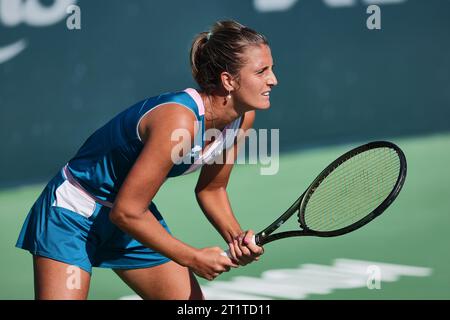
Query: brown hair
point(220, 50)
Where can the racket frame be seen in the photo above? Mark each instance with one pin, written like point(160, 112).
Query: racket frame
point(299, 206)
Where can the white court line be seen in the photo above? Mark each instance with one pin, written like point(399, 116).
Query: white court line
point(305, 280)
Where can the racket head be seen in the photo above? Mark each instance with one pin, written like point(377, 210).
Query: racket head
point(385, 155)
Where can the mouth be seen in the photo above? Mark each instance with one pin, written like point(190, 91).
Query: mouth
point(266, 93)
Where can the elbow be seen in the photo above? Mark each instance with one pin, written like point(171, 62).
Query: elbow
point(198, 195)
point(116, 217)
point(119, 218)
point(201, 193)
point(197, 191)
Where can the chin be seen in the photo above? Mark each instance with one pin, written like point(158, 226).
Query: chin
point(259, 106)
point(265, 106)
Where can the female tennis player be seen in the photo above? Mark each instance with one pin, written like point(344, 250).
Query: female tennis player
point(98, 210)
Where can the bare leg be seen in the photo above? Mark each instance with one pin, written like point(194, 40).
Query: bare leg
point(54, 280)
point(168, 281)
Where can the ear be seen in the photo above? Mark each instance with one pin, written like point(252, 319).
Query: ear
point(228, 81)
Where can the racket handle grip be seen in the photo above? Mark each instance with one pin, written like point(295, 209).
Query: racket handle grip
point(226, 253)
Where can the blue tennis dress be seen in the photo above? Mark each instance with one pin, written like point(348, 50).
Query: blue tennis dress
point(69, 222)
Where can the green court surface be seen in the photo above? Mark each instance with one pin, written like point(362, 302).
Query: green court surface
point(413, 232)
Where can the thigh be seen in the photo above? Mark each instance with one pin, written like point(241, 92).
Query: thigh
point(55, 280)
point(168, 281)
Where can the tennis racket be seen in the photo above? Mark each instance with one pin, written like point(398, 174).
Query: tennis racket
point(352, 191)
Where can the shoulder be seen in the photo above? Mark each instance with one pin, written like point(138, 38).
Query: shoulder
point(248, 120)
point(171, 117)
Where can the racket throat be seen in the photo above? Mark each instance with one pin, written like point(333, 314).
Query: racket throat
point(259, 238)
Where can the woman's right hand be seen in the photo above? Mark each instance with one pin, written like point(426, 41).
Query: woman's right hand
point(209, 263)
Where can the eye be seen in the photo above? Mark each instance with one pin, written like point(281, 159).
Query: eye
point(260, 71)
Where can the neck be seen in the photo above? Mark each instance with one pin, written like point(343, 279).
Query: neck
point(219, 111)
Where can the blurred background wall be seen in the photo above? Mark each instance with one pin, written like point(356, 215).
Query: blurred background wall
point(338, 80)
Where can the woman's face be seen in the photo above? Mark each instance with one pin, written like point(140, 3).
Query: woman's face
point(256, 78)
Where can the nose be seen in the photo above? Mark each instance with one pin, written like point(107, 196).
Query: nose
point(272, 80)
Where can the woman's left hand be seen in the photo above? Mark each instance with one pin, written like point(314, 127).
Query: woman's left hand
point(243, 250)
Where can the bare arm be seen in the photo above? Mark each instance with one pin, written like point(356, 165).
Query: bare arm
point(130, 211)
point(213, 198)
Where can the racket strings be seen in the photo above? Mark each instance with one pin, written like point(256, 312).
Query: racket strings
point(341, 170)
point(352, 215)
point(356, 195)
point(353, 212)
point(334, 197)
point(353, 190)
point(338, 198)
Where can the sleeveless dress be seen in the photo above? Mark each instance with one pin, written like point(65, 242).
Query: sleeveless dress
point(69, 222)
